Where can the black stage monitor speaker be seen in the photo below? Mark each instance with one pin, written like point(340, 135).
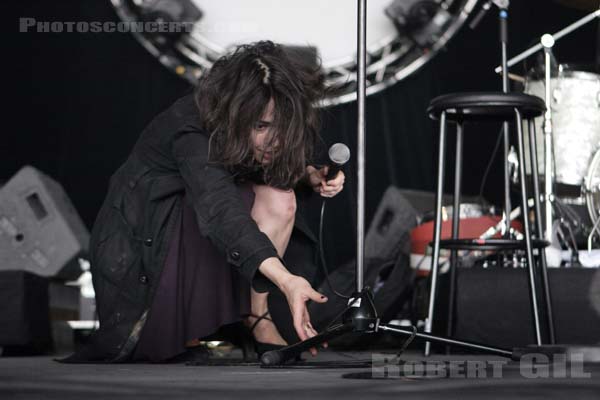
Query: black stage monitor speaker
point(40, 231)
point(24, 317)
point(389, 231)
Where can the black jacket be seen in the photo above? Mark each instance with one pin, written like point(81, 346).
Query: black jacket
point(131, 234)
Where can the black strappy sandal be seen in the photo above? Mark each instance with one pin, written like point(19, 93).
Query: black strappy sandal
point(261, 347)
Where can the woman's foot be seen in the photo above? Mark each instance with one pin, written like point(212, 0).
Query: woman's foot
point(264, 330)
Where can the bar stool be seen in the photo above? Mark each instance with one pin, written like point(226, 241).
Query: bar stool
point(459, 108)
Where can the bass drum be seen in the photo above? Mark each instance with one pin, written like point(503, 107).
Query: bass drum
point(575, 121)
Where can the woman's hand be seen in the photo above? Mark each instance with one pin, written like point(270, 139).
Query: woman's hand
point(298, 291)
point(316, 179)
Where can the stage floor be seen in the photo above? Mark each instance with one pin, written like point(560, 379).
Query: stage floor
point(436, 377)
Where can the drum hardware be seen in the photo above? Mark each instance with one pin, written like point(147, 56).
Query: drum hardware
point(515, 234)
point(567, 211)
point(503, 260)
point(503, 25)
point(556, 256)
point(513, 162)
point(516, 78)
point(572, 201)
point(564, 234)
point(591, 188)
point(564, 231)
point(557, 36)
point(591, 192)
point(546, 43)
point(475, 218)
point(591, 235)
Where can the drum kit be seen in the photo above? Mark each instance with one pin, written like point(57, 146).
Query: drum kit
point(575, 150)
point(570, 131)
point(569, 161)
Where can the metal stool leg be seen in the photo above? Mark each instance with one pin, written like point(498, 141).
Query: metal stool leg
point(527, 233)
point(540, 232)
point(507, 202)
point(455, 227)
point(437, 232)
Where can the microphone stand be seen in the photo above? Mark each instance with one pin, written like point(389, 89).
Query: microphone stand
point(361, 131)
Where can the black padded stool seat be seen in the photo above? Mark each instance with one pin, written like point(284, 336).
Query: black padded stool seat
point(490, 106)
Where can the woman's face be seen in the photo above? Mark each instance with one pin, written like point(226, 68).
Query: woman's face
point(263, 146)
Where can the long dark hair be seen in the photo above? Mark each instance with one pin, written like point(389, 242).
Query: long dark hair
point(233, 95)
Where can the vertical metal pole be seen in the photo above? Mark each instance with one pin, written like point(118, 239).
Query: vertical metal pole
point(503, 15)
point(455, 227)
point(503, 19)
point(528, 243)
point(540, 231)
point(437, 230)
point(361, 129)
point(548, 42)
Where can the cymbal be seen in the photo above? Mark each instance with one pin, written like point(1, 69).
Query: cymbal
point(589, 5)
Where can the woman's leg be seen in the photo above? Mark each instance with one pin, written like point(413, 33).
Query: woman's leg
point(274, 211)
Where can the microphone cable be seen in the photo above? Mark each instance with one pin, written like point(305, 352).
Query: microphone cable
point(322, 253)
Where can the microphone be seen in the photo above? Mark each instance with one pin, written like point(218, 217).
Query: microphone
point(339, 154)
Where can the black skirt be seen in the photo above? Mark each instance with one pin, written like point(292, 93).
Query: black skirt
point(198, 292)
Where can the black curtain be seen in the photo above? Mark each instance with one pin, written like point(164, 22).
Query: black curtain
point(76, 103)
